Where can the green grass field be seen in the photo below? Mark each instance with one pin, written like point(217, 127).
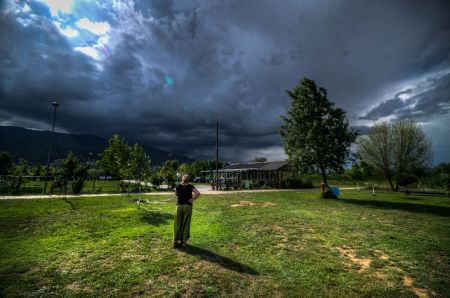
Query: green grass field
point(253, 244)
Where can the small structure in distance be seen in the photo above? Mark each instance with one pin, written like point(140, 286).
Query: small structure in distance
point(242, 175)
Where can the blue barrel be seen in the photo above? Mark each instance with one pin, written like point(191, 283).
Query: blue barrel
point(335, 191)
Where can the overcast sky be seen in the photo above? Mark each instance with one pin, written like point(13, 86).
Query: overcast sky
point(165, 71)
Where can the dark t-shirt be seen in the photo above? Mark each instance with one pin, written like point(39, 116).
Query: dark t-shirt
point(184, 193)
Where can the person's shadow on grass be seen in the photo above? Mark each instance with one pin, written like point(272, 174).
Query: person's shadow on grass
point(156, 218)
point(406, 206)
point(70, 203)
point(218, 259)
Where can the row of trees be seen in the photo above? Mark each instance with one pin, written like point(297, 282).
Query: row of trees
point(119, 160)
point(71, 168)
point(435, 177)
point(317, 137)
point(8, 167)
point(122, 160)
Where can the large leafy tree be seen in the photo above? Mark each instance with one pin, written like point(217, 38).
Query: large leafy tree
point(184, 168)
point(315, 133)
point(36, 170)
point(114, 160)
point(70, 165)
point(22, 168)
point(204, 165)
point(75, 170)
point(197, 166)
point(441, 176)
point(168, 172)
point(123, 160)
point(396, 150)
point(139, 164)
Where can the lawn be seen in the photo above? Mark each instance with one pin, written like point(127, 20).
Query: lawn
point(252, 244)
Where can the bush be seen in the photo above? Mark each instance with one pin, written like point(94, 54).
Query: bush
point(273, 184)
point(77, 186)
point(295, 182)
point(60, 184)
point(406, 179)
point(156, 181)
point(172, 183)
point(123, 186)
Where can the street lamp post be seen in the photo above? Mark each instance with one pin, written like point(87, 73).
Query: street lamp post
point(169, 178)
point(217, 155)
point(55, 104)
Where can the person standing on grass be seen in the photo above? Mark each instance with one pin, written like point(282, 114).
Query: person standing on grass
point(183, 214)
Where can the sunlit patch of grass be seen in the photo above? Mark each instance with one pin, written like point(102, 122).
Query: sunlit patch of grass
point(268, 244)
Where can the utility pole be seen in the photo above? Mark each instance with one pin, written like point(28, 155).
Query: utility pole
point(55, 104)
point(169, 178)
point(217, 155)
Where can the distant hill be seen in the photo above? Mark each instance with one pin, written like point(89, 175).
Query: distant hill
point(32, 145)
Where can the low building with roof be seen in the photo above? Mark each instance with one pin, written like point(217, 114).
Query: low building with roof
point(246, 175)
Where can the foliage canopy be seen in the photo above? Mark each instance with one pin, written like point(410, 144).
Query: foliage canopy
point(315, 133)
point(396, 150)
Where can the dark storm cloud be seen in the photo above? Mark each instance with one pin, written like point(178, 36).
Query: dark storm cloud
point(362, 129)
point(229, 60)
point(432, 101)
point(37, 66)
point(385, 109)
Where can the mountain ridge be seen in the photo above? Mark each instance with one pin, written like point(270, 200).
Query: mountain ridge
point(33, 145)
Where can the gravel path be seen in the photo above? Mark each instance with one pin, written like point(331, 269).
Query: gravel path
point(206, 190)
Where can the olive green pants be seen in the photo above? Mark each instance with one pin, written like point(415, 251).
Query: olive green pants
point(182, 225)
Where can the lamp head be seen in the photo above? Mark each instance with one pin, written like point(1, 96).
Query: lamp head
point(55, 104)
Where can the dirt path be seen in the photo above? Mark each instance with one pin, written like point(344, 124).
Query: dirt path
point(206, 192)
point(204, 189)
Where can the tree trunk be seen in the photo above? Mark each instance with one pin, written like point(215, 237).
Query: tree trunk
point(390, 182)
point(324, 177)
point(139, 198)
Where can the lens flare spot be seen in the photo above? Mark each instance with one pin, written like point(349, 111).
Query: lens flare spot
point(106, 51)
point(169, 80)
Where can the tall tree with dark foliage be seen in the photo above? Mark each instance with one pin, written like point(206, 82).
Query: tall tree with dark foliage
point(315, 133)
